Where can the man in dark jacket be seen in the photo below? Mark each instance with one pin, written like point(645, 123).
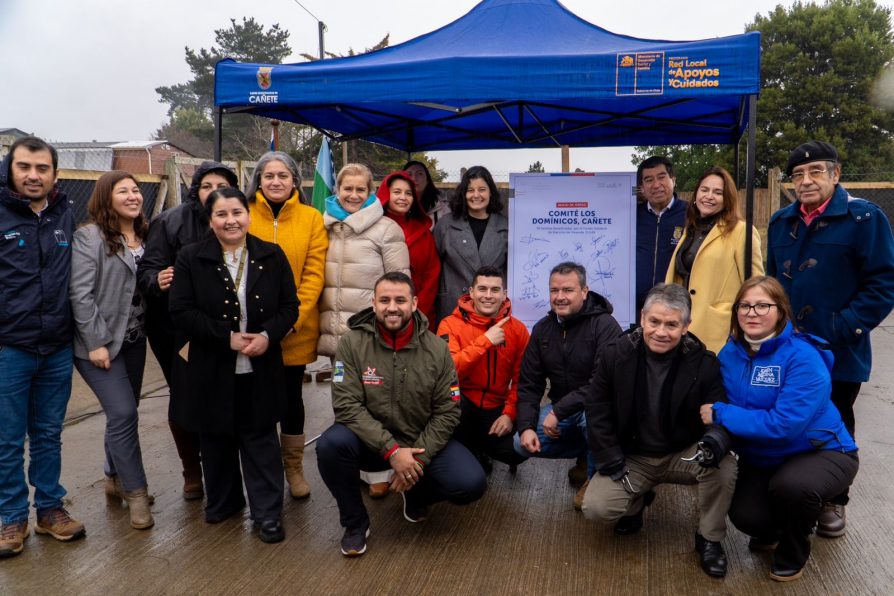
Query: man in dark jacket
point(645, 427)
point(36, 228)
point(834, 255)
point(660, 220)
point(562, 349)
point(170, 231)
point(396, 401)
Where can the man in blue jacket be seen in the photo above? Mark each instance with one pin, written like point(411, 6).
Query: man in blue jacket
point(834, 255)
point(660, 219)
point(35, 342)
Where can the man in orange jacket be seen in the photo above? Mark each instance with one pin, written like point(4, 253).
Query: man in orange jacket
point(487, 345)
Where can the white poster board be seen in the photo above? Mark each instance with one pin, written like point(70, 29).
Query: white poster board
point(586, 218)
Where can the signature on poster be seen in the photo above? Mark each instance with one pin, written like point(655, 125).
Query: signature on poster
point(529, 239)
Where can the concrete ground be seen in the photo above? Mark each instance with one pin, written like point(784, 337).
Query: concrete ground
point(522, 538)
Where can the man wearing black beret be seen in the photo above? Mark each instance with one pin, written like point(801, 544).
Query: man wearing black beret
point(834, 255)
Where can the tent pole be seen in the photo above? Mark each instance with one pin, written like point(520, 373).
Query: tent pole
point(749, 180)
point(218, 133)
point(736, 163)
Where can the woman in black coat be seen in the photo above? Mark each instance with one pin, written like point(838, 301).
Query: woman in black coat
point(232, 301)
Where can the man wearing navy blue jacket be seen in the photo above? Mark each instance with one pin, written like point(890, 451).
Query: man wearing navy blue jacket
point(660, 219)
point(834, 255)
point(36, 228)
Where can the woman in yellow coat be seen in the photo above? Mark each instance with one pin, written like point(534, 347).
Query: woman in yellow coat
point(279, 216)
point(710, 258)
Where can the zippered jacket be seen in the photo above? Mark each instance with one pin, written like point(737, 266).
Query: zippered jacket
point(35, 268)
point(656, 239)
point(488, 374)
point(563, 352)
point(779, 399)
point(392, 398)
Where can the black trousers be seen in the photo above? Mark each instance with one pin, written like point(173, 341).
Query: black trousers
point(259, 453)
point(452, 475)
point(473, 432)
point(783, 503)
point(844, 396)
point(293, 420)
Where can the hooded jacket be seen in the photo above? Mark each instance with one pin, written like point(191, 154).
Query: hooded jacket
point(779, 399)
point(614, 425)
point(35, 268)
point(838, 273)
point(395, 398)
point(488, 374)
point(362, 248)
point(299, 231)
point(563, 352)
point(170, 231)
point(425, 265)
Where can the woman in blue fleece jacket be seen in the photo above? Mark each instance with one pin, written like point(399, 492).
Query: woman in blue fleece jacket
point(795, 452)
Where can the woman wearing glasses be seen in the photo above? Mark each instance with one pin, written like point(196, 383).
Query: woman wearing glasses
point(794, 451)
point(710, 259)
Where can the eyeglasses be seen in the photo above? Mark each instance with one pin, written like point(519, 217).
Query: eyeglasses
point(760, 309)
point(812, 172)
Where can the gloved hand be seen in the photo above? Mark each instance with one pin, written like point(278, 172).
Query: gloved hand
point(711, 452)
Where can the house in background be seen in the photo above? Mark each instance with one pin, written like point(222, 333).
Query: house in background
point(137, 157)
point(8, 136)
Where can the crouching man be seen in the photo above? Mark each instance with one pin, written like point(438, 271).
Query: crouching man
point(396, 402)
point(644, 425)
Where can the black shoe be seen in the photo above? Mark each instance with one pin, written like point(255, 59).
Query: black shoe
point(781, 574)
point(711, 556)
point(486, 462)
point(270, 530)
point(353, 543)
point(631, 524)
point(413, 513)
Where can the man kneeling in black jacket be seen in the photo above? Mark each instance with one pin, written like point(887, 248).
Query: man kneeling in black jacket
point(644, 426)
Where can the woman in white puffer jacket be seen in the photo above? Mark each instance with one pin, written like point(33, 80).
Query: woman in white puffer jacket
point(363, 246)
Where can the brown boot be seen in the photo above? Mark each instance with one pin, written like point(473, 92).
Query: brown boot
point(379, 490)
point(115, 492)
point(293, 464)
point(138, 505)
point(12, 538)
point(188, 449)
point(579, 496)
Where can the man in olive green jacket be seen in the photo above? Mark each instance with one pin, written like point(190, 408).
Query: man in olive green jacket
point(396, 401)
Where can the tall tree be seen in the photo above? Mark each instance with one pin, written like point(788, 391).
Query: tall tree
point(190, 104)
point(536, 167)
point(818, 66)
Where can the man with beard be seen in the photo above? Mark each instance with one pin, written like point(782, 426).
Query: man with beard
point(396, 402)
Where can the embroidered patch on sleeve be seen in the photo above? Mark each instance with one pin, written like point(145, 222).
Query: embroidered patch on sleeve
point(454, 391)
point(766, 376)
point(338, 372)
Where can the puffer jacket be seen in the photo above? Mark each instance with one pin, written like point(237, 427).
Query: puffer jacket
point(362, 248)
point(779, 399)
point(299, 231)
point(395, 398)
point(35, 267)
point(563, 352)
point(170, 231)
point(488, 374)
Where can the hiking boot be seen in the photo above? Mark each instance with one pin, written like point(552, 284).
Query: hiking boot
point(413, 513)
point(115, 491)
point(578, 500)
point(12, 538)
point(59, 524)
point(832, 521)
point(353, 543)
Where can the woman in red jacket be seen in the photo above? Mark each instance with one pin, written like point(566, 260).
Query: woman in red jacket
point(398, 195)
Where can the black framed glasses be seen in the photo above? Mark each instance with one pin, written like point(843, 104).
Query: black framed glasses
point(760, 309)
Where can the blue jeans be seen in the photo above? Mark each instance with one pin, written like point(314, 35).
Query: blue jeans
point(34, 394)
point(571, 444)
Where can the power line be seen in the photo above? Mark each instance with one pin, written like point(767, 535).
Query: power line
point(307, 11)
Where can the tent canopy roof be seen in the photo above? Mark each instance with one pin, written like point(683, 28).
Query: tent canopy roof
point(511, 74)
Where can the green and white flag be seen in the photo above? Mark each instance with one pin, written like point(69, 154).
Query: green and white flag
point(324, 177)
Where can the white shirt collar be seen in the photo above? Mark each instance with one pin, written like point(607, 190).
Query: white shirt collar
point(669, 205)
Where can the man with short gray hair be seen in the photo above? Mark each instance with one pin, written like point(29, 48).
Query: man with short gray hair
point(645, 429)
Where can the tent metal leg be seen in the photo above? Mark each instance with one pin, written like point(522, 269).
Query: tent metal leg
point(749, 180)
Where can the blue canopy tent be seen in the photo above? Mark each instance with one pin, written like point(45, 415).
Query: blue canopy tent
point(514, 74)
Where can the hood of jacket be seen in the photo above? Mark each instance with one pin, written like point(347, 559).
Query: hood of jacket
point(465, 310)
point(365, 320)
point(359, 221)
point(595, 304)
point(203, 170)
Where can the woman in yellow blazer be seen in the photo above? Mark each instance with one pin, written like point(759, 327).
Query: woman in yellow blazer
point(709, 260)
point(279, 216)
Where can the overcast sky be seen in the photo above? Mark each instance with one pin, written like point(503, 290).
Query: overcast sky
point(87, 69)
